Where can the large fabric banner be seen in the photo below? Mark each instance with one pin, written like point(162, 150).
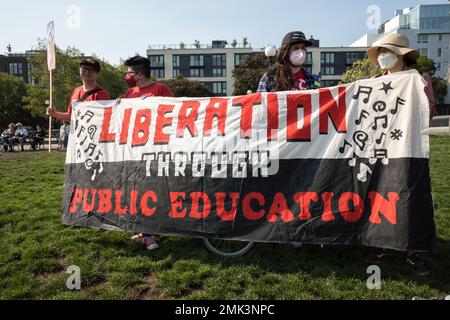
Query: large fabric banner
point(341, 165)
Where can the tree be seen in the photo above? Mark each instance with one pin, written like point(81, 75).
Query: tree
point(425, 64)
point(234, 43)
point(248, 74)
point(362, 69)
point(245, 42)
point(197, 44)
point(182, 87)
point(440, 88)
point(12, 90)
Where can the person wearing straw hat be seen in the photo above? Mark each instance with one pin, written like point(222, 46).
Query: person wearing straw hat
point(392, 54)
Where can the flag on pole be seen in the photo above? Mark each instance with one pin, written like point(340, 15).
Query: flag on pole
point(51, 54)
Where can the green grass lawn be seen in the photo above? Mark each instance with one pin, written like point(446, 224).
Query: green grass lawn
point(36, 250)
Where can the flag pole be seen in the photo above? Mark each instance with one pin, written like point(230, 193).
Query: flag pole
point(50, 118)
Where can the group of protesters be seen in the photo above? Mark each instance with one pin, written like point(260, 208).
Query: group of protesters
point(392, 54)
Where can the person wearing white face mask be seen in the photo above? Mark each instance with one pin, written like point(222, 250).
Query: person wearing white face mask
point(288, 73)
point(392, 54)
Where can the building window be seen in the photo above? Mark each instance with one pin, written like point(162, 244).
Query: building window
point(309, 58)
point(308, 69)
point(328, 83)
point(439, 52)
point(239, 58)
point(327, 57)
point(197, 61)
point(352, 57)
point(327, 71)
point(176, 61)
point(219, 60)
point(438, 68)
point(219, 72)
point(422, 38)
point(176, 73)
point(156, 61)
point(423, 51)
point(157, 73)
point(440, 38)
point(16, 69)
point(220, 88)
point(197, 73)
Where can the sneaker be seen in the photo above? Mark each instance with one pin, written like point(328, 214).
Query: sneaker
point(150, 243)
point(418, 264)
point(376, 256)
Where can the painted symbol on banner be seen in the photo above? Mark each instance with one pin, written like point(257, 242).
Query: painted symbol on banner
point(379, 106)
point(380, 140)
point(363, 90)
point(383, 120)
point(361, 138)
point(82, 130)
point(92, 130)
point(91, 147)
point(364, 173)
point(364, 115)
point(352, 163)
point(342, 149)
point(88, 115)
point(387, 87)
point(400, 102)
point(382, 154)
point(397, 134)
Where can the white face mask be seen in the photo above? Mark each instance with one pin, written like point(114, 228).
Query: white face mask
point(387, 60)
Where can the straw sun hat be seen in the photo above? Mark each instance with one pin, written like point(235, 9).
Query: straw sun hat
point(397, 43)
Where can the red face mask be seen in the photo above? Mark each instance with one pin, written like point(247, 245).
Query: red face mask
point(130, 80)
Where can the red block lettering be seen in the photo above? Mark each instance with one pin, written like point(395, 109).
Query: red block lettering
point(304, 200)
point(387, 207)
point(186, 121)
point(142, 127)
point(161, 123)
point(247, 103)
point(77, 196)
point(280, 207)
point(295, 102)
point(89, 207)
point(219, 112)
point(249, 213)
point(104, 203)
point(125, 126)
point(344, 208)
point(327, 215)
point(195, 208)
point(118, 208)
point(329, 108)
point(105, 135)
point(146, 211)
point(177, 210)
point(226, 215)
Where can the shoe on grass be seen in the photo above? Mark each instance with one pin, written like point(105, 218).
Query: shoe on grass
point(376, 256)
point(419, 266)
point(150, 243)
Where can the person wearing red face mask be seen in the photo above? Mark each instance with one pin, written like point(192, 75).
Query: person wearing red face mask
point(141, 86)
point(288, 73)
point(139, 82)
point(89, 91)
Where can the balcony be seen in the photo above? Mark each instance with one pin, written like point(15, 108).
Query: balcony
point(198, 46)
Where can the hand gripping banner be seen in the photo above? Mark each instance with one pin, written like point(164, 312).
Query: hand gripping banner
point(341, 165)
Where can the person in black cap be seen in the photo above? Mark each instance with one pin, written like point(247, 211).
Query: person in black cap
point(288, 73)
point(89, 91)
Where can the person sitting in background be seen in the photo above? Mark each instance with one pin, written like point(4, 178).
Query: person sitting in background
point(38, 138)
point(64, 135)
point(21, 135)
point(7, 137)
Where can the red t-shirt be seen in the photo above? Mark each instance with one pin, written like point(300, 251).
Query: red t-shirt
point(153, 90)
point(79, 93)
point(299, 81)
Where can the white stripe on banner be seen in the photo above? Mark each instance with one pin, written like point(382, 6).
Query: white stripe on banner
point(377, 119)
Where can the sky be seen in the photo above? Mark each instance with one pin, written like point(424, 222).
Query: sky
point(118, 29)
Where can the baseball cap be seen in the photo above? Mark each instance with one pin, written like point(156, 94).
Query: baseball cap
point(90, 62)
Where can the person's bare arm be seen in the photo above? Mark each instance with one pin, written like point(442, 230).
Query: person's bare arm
point(63, 116)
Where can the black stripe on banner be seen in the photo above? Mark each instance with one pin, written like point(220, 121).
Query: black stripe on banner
point(309, 201)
